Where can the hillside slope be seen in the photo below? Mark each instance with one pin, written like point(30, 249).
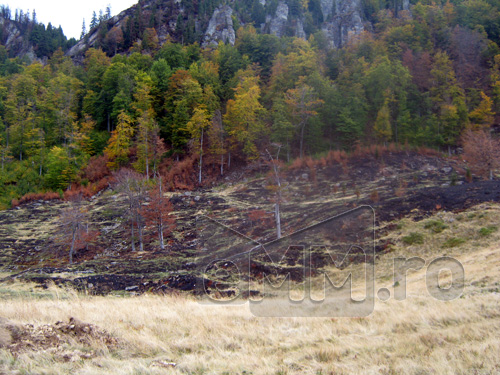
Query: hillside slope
point(396, 185)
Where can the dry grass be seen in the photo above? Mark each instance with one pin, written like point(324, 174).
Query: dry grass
point(419, 335)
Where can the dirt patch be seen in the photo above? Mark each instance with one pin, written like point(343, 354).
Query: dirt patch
point(60, 339)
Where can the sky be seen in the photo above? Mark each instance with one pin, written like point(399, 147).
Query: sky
point(68, 14)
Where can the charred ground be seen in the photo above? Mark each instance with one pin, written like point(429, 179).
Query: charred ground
point(396, 184)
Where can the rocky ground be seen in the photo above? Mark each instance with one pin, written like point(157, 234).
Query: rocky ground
point(396, 185)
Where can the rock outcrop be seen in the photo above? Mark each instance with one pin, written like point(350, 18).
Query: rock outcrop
point(220, 27)
point(15, 41)
point(277, 24)
point(343, 21)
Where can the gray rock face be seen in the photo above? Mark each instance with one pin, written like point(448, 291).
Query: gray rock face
point(278, 23)
point(220, 27)
point(15, 41)
point(299, 30)
point(343, 23)
point(326, 8)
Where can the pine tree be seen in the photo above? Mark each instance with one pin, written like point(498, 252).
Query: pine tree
point(94, 22)
point(84, 30)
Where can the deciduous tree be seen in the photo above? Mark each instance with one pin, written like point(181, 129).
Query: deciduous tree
point(302, 102)
point(482, 152)
point(119, 144)
point(244, 115)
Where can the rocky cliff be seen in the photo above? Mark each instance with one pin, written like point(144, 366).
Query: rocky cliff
point(208, 22)
point(340, 20)
point(14, 40)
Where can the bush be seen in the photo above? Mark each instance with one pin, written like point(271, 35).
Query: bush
point(437, 226)
point(488, 230)
point(413, 239)
point(453, 242)
point(31, 197)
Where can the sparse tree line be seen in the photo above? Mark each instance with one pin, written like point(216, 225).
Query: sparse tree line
point(189, 114)
point(147, 218)
point(45, 39)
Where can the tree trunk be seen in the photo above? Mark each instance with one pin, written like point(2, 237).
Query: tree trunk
point(71, 251)
point(160, 226)
point(160, 235)
point(278, 220)
point(222, 165)
point(139, 229)
point(132, 233)
point(201, 157)
point(302, 141)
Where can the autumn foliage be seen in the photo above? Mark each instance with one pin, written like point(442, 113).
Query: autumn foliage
point(481, 152)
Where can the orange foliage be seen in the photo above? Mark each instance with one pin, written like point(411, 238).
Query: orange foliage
point(181, 174)
point(31, 197)
point(96, 168)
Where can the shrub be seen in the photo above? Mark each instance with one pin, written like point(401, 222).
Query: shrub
point(453, 242)
point(486, 231)
point(437, 226)
point(413, 239)
point(31, 197)
point(297, 164)
point(96, 169)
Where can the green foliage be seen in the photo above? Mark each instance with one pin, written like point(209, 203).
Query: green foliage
point(413, 238)
point(436, 226)
point(414, 79)
point(60, 169)
point(453, 242)
point(486, 231)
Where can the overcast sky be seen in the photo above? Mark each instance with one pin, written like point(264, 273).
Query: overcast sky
point(69, 14)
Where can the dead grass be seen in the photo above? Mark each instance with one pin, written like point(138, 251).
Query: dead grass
point(419, 335)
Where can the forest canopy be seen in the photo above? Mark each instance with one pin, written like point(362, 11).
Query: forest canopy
point(421, 78)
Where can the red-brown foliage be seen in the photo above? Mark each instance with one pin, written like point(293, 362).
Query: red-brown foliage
point(31, 197)
point(89, 190)
point(180, 174)
point(157, 213)
point(426, 151)
point(482, 152)
point(420, 66)
point(297, 164)
point(96, 169)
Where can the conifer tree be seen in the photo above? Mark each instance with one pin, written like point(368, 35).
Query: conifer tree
point(84, 30)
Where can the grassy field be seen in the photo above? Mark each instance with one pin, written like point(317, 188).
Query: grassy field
point(177, 335)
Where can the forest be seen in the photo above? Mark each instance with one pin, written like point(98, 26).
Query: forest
point(421, 77)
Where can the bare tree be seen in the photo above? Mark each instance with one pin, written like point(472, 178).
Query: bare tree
point(133, 186)
point(158, 212)
point(482, 152)
point(277, 188)
point(75, 231)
